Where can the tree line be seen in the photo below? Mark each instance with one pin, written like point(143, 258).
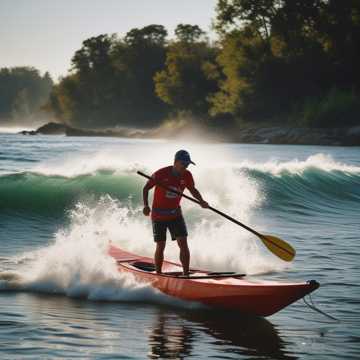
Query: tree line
point(23, 92)
point(274, 61)
point(137, 80)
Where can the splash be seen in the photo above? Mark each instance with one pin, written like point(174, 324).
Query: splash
point(77, 263)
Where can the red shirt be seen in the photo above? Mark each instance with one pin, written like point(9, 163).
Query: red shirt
point(166, 204)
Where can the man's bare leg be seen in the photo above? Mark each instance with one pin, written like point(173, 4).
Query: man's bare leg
point(184, 254)
point(159, 255)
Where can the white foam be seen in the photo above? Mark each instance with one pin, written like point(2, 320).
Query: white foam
point(319, 161)
point(81, 164)
point(77, 264)
point(149, 158)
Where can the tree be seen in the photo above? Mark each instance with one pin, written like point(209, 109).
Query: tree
point(243, 59)
point(112, 81)
point(184, 83)
point(277, 53)
point(66, 101)
point(137, 59)
point(148, 35)
point(237, 14)
point(93, 66)
point(23, 91)
point(189, 33)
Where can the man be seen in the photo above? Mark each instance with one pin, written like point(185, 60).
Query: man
point(166, 212)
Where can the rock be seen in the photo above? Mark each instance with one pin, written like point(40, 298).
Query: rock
point(267, 135)
point(27, 132)
point(52, 129)
point(300, 136)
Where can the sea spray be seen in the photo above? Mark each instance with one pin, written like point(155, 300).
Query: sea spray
point(77, 263)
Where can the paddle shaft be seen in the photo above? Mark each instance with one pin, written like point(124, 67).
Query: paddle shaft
point(198, 202)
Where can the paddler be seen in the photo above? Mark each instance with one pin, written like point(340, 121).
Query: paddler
point(166, 211)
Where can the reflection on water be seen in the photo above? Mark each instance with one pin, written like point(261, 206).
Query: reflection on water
point(253, 336)
point(173, 336)
point(56, 326)
point(170, 338)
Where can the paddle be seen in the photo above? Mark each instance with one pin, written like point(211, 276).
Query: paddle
point(277, 246)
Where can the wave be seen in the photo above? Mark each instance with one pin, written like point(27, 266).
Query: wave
point(109, 160)
point(312, 186)
point(316, 184)
point(101, 199)
point(316, 180)
point(76, 263)
point(51, 195)
point(317, 162)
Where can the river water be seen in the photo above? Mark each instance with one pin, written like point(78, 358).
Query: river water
point(63, 198)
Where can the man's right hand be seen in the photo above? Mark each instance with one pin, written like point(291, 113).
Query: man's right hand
point(146, 210)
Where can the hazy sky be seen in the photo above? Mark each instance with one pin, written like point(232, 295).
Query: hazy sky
point(46, 33)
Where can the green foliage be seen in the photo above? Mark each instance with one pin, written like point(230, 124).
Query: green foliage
point(136, 62)
point(23, 91)
point(87, 94)
point(239, 59)
point(65, 100)
point(335, 109)
point(112, 81)
point(278, 53)
point(238, 14)
point(149, 35)
point(187, 33)
point(186, 80)
point(272, 56)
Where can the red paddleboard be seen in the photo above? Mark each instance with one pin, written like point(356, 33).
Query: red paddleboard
point(224, 290)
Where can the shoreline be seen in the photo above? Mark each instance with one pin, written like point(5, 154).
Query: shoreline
point(347, 136)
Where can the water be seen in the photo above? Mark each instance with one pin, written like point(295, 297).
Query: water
point(62, 199)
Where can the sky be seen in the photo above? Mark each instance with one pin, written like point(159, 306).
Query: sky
point(46, 33)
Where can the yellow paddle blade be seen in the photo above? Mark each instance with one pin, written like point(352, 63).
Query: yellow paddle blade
point(278, 247)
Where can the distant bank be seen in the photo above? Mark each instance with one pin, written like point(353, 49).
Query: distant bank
point(347, 136)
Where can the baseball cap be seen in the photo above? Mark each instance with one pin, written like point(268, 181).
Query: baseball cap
point(184, 156)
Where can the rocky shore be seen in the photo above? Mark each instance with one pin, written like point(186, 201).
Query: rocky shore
point(53, 128)
point(349, 136)
point(300, 136)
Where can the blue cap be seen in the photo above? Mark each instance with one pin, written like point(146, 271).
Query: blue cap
point(184, 156)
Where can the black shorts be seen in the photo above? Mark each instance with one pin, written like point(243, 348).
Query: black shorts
point(177, 228)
